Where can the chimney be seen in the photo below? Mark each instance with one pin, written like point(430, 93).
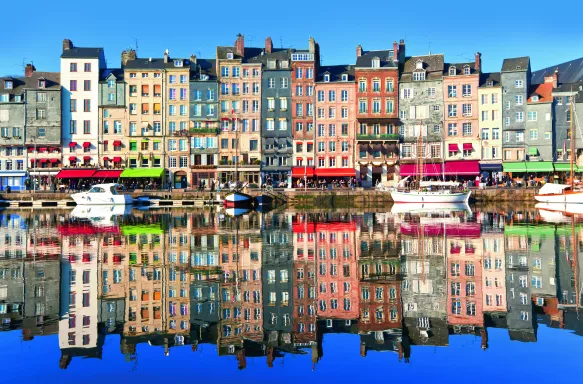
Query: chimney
point(401, 51)
point(311, 45)
point(193, 59)
point(268, 45)
point(126, 56)
point(362, 350)
point(359, 50)
point(240, 45)
point(395, 51)
point(478, 63)
point(556, 78)
point(166, 57)
point(67, 44)
point(29, 70)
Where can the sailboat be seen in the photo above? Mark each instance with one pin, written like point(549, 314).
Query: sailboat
point(428, 191)
point(236, 198)
point(563, 193)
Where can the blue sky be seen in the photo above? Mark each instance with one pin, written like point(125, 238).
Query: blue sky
point(504, 361)
point(497, 28)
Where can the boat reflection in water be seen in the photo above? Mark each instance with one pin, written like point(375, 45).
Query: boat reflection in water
point(263, 286)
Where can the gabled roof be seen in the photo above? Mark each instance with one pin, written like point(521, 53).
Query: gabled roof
point(543, 91)
point(569, 72)
point(203, 67)
point(18, 85)
point(432, 64)
point(517, 64)
point(81, 53)
point(52, 80)
point(365, 60)
point(155, 63)
point(258, 55)
point(459, 68)
point(336, 72)
point(491, 76)
point(571, 88)
point(116, 73)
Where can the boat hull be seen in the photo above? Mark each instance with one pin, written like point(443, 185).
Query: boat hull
point(429, 197)
point(86, 198)
point(565, 198)
point(238, 200)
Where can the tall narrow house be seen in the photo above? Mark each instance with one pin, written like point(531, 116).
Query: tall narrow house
point(490, 123)
point(377, 80)
point(80, 70)
point(515, 77)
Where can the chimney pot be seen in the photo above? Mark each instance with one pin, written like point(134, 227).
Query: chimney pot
point(127, 55)
point(478, 62)
point(395, 51)
point(67, 44)
point(29, 70)
point(193, 59)
point(311, 45)
point(358, 50)
point(166, 54)
point(268, 45)
point(556, 78)
point(240, 44)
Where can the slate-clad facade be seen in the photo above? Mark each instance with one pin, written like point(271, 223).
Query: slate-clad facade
point(112, 117)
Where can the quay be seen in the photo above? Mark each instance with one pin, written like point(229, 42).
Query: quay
point(297, 198)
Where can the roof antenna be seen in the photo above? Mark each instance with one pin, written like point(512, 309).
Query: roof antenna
point(136, 41)
point(281, 42)
point(430, 46)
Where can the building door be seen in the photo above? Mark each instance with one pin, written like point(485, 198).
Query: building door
point(377, 173)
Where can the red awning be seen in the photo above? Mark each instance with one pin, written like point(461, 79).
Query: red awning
point(86, 144)
point(462, 168)
point(107, 174)
point(72, 144)
point(299, 171)
point(44, 160)
point(42, 149)
point(468, 146)
point(105, 141)
point(335, 172)
point(86, 157)
point(54, 160)
point(117, 143)
point(117, 159)
point(31, 149)
point(453, 147)
point(72, 158)
point(105, 158)
point(428, 169)
point(84, 229)
point(75, 173)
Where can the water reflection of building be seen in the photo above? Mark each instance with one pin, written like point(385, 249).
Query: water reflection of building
point(494, 270)
point(14, 233)
point(570, 286)
point(424, 283)
point(379, 281)
point(78, 327)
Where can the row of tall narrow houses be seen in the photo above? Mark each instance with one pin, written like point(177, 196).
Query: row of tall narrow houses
point(264, 114)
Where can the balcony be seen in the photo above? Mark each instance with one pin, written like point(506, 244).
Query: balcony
point(203, 131)
point(385, 136)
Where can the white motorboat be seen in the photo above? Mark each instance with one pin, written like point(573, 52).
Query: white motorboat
point(101, 194)
point(438, 196)
point(559, 193)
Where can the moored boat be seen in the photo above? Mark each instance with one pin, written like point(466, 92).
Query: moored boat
point(101, 194)
point(238, 199)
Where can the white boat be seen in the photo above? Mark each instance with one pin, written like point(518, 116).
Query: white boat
point(439, 196)
point(101, 194)
point(559, 193)
point(236, 211)
point(100, 215)
point(238, 200)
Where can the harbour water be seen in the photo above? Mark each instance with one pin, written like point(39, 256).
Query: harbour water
point(95, 294)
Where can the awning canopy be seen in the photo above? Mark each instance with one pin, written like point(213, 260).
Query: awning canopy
point(75, 173)
point(54, 160)
point(462, 167)
point(539, 166)
point(116, 143)
point(566, 167)
point(86, 157)
point(453, 147)
point(143, 229)
point(117, 159)
point(86, 144)
point(514, 167)
point(299, 171)
point(533, 151)
point(338, 172)
point(142, 172)
point(44, 160)
point(468, 146)
point(392, 148)
point(492, 167)
point(111, 174)
point(72, 144)
point(72, 158)
point(428, 169)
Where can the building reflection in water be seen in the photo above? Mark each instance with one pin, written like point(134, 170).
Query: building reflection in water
point(264, 285)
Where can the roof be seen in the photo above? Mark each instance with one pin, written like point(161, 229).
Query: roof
point(517, 64)
point(155, 63)
point(117, 72)
point(571, 88)
point(336, 72)
point(543, 91)
point(459, 68)
point(82, 53)
point(569, 72)
point(365, 60)
point(20, 83)
point(433, 65)
point(203, 67)
point(494, 77)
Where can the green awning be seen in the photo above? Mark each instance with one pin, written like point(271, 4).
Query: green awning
point(142, 172)
point(533, 151)
point(566, 167)
point(539, 166)
point(153, 229)
point(529, 230)
point(511, 167)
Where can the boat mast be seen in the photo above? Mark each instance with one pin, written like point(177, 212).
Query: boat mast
point(236, 151)
point(420, 157)
point(571, 101)
point(575, 264)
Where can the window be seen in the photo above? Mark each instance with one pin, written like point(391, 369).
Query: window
point(466, 90)
point(518, 99)
point(87, 85)
point(431, 92)
point(406, 93)
point(452, 110)
point(452, 91)
point(362, 106)
point(485, 134)
point(507, 121)
point(418, 76)
point(506, 137)
point(518, 84)
point(494, 98)
point(452, 129)
point(467, 109)
point(532, 116)
point(547, 135)
point(87, 127)
point(519, 137)
point(519, 117)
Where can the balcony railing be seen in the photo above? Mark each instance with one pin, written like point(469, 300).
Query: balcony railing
point(202, 131)
point(386, 136)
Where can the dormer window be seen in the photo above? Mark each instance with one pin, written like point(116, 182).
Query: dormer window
point(452, 71)
point(178, 63)
point(466, 70)
point(283, 64)
point(376, 62)
point(419, 64)
point(326, 77)
point(419, 76)
point(8, 84)
point(391, 54)
point(535, 98)
point(489, 83)
point(230, 56)
point(518, 67)
point(42, 83)
point(271, 64)
point(344, 77)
